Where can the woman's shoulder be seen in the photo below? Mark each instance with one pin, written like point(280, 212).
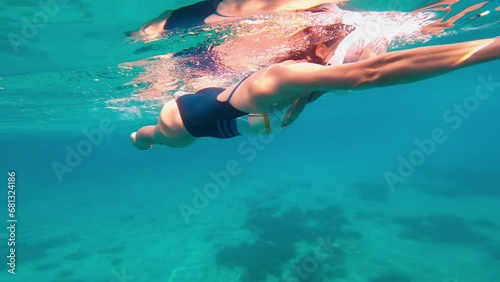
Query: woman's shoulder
point(282, 71)
point(272, 83)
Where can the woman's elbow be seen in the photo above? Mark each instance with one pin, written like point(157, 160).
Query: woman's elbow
point(365, 78)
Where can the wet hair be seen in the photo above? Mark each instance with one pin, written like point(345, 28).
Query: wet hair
point(307, 40)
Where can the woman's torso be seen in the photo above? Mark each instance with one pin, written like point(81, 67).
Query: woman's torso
point(249, 107)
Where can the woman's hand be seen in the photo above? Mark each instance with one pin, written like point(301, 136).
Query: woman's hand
point(138, 144)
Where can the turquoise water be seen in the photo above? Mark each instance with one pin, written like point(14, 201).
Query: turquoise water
point(312, 203)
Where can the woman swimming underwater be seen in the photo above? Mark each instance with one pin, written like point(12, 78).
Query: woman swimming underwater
point(266, 101)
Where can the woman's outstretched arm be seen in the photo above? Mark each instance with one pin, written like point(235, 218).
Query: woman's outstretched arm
point(389, 69)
